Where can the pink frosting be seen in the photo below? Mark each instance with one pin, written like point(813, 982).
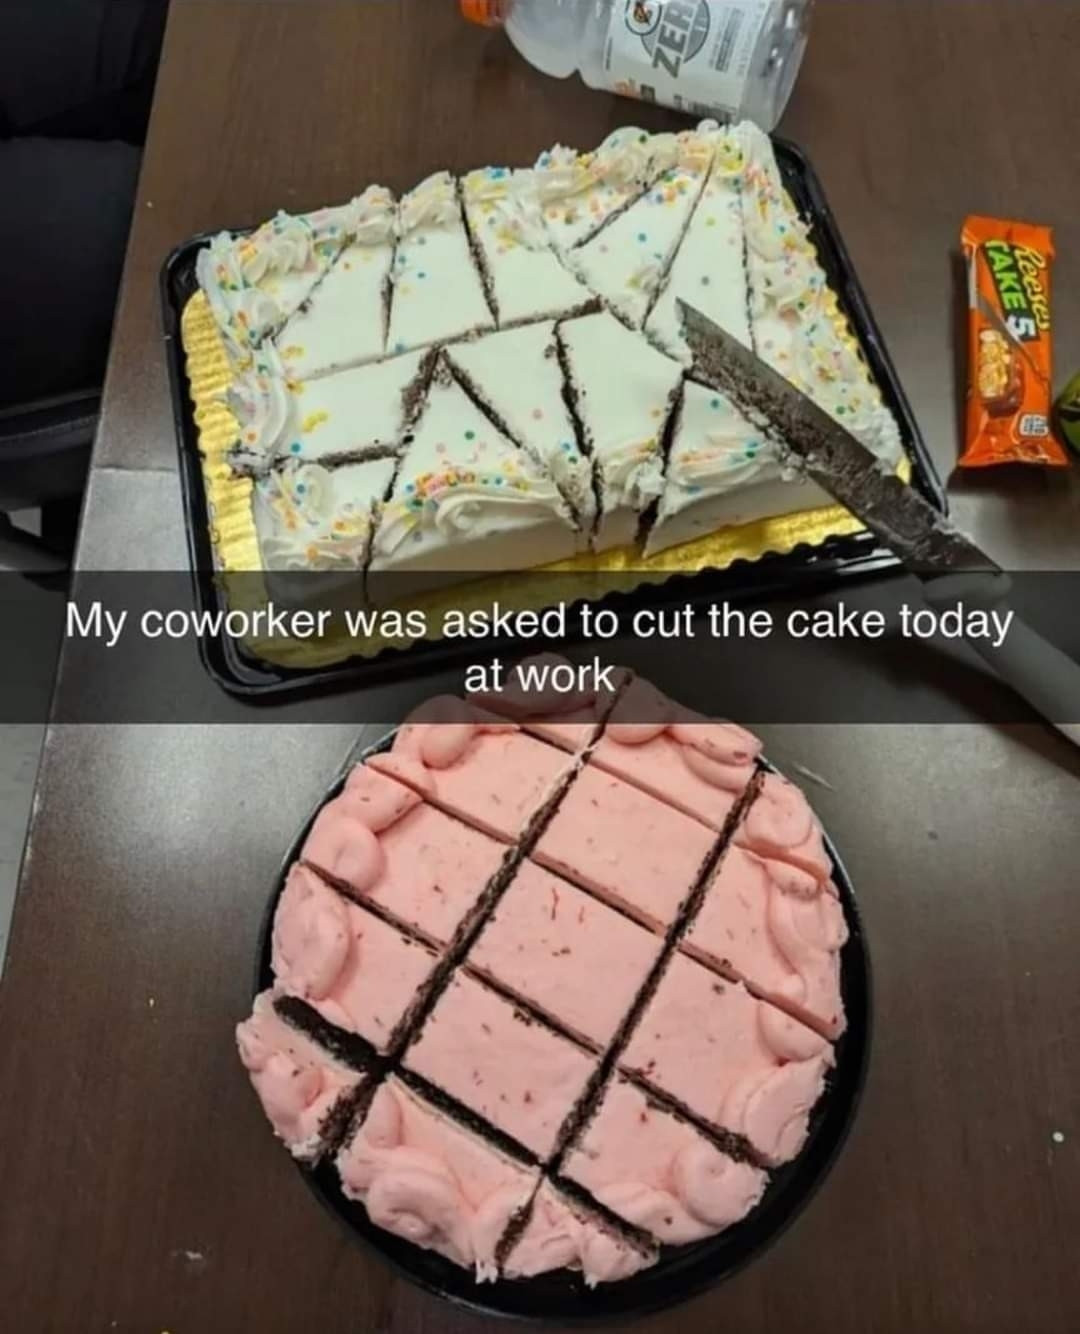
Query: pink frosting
point(431, 1181)
point(299, 1085)
point(353, 968)
point(521, 1076)
point(426, 868)
point(549, 941)
point(483, 770)
point(659, 1173)
point(736, 1061)
point(779, 930)
point(625, 846)
point(781, 825)
point(561, 1234)
point(565, 718)
point(699, 766)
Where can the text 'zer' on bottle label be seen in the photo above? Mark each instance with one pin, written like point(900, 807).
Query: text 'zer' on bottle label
point(690, 54)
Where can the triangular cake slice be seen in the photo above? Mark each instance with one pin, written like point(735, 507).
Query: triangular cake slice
point(627, 261)
point(308, 517)
point(467, 500)
point(794, 317)
point(525, 278)
point(516, 374)
point(348, 415)
point(436, 293)
point(579, 193)
point(709, 269)
point(722, 471)
point(255, 282)
point(343, 322)
point(623, 392)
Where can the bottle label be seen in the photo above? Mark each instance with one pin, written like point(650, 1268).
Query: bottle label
point(691, 54)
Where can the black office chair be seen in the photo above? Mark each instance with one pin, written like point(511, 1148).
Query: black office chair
point(76, 83)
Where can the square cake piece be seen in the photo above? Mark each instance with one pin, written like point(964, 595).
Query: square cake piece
point(475, 766)
point(501, 1063)
point(305, 1092)
point(425, 1177)
point(466, 501)
point(737, 1062)
point(382, 843)
point(436, 292)
point(699, 766)
point(657, 1171)
point(628, 848)
point(352, 968)
point(343, 322)
point(778, 930)
point(548, 943)
point(623, 391)
point(516, 374)
point(780, 824)
point(564, 1233)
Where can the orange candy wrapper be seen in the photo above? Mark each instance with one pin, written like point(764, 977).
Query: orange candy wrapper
point(1009, 344)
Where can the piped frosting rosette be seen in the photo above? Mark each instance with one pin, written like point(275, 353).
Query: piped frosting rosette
point(262, 399)
point(794, 315)
point(303, 525)
point(708, 1192)
point(254, 282)
point(632, 474)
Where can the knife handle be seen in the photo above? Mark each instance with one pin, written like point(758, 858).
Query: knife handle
point(1038, 671)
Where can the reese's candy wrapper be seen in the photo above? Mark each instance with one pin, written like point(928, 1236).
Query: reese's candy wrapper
point(1009, 344)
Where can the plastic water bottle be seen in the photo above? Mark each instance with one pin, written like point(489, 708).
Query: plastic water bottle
point(731, 59)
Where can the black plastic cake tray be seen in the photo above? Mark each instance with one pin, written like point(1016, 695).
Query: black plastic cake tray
point(682, 1271)
point(805, 568)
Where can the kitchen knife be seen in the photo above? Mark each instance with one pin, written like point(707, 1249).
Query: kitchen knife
point(950, 567)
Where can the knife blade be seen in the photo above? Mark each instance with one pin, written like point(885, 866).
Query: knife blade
point(896, 513)
point(950, 567)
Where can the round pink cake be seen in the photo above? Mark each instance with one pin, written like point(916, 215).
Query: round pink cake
point(553, 992)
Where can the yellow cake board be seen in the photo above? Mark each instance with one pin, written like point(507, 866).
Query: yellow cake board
point(236, 548)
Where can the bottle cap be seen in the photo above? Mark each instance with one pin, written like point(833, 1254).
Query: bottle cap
point(488, 13)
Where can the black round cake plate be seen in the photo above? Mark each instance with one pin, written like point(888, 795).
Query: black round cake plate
point(682, 1271)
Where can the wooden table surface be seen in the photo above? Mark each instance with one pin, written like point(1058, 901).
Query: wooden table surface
point(140, 1190)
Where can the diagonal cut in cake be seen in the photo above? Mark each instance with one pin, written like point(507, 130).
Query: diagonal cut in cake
point(779, 931)
point(466, 500)
point(738, 1063)
point(524, 278)
point(562, 1232)
point(678, 756)
point(319, 421)
point(634, 852)
point(480, 768)
point(627, 262)
point(657, 1171)
point(382, 844)
point(516, 378)
point(344, 321)
point(501, 1063)
point(548, 942)
point(307, 1095)
point(433, 1181)
point(353, 969)
point(437, 293)
point(780, 824)
point(255, 282)
point(623, 392)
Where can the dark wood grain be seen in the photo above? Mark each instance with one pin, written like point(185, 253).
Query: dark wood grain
point(140, 1190)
